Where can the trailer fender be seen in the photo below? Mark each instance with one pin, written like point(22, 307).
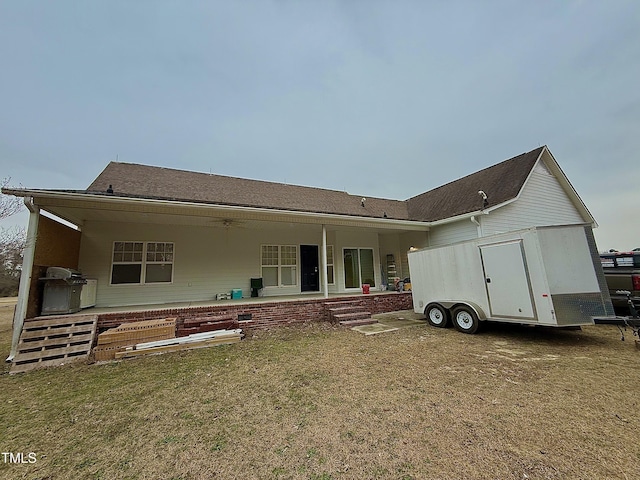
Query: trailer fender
point(474, 306)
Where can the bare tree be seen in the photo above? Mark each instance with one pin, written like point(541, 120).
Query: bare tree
point(12, 241)
point(9, 205)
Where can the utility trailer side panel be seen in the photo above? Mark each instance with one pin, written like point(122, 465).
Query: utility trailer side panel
point(541, 275)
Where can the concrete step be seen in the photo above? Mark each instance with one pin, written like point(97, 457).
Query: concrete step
point(346, 317)
point(355, 323)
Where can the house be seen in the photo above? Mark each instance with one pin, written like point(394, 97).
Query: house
point(152, 235)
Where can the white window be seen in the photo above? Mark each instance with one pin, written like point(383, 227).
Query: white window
point(142, 262)
point(279, 265)
point(330, 277)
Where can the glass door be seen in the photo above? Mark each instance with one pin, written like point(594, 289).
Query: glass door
point(358, 267)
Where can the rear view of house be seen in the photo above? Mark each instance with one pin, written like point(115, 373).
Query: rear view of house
point(149, 235)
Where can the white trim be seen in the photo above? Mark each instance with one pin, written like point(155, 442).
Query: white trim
point(143, 263)
point(28, 254)
point(360, 279)
point(325, 266)
point(254, 213)
point(279, 266)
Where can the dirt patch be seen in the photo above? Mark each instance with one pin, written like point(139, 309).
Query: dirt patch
point(323, 402)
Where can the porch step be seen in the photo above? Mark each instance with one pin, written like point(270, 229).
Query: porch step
point(349, 309)
point(341, 318)
point(54, 341)
point(355, 323)
point(344, 310)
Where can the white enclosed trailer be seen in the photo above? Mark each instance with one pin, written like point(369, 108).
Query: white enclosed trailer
point(539, 276)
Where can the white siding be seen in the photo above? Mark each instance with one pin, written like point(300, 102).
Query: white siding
point(207, 260)
point(542, 202)
point(452, 233)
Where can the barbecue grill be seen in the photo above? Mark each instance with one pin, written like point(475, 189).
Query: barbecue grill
point(62, 288)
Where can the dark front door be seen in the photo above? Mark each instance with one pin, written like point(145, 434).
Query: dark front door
point(310, 268)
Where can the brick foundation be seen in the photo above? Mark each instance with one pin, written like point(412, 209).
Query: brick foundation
point(265, 315)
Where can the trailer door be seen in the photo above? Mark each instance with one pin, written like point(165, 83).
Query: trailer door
point(507, 280)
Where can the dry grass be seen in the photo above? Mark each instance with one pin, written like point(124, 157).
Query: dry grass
point(318, 402)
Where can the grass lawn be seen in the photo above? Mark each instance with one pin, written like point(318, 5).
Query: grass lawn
point(321, 402)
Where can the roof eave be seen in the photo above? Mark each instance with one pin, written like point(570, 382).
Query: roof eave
point(291, 215)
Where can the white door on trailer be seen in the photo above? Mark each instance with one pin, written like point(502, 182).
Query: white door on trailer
point(507, 280)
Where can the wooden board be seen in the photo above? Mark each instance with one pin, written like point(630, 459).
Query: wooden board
point(127, 334)
point(176, 347)
point(54, 341)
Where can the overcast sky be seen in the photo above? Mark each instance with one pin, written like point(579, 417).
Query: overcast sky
point(379, 98)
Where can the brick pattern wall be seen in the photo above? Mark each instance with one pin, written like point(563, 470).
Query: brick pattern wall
point(266, 315)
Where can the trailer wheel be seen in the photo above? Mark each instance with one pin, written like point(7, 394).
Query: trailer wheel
point(465, 319)
point(437, 315)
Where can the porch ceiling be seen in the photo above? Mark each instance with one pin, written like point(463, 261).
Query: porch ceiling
point(79, 209)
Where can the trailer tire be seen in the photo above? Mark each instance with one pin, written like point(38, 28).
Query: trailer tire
point(465, 319)
point(437, 315)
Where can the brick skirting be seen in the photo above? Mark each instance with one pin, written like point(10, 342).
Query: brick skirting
point(266, 314)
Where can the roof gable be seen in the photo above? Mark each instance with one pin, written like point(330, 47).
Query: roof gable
point(501, 182)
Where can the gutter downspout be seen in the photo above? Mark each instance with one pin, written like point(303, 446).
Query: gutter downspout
point(325, 278)
point(25, 277)
point(475, 220)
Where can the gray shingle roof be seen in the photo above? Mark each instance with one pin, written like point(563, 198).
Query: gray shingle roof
point(164, 183)
point(501, 182)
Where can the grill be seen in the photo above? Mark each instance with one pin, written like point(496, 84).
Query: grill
point(62, 289)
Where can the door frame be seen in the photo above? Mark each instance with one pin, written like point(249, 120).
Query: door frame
point(309, 266)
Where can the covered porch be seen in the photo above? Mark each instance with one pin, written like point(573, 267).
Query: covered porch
point(151, 258)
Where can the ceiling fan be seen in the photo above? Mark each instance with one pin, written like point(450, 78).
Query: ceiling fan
point(227, 223)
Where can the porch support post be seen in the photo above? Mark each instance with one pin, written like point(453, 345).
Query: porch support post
point(325, 279)
point(25, 277)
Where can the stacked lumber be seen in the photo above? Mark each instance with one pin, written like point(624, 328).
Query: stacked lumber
point(207, 324)
point(190, 342)
point(117, 339)
point(54, 341)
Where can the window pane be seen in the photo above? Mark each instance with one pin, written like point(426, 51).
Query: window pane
point(288, 255)
point(330, 274)
point(366, 266)
point(118, 247)
point(270, 276)
point(288, 275)
point(269, 255)
point(351, 268)
point(126, 273)
point(330, 254)
point(158, 273)
point(117, 256)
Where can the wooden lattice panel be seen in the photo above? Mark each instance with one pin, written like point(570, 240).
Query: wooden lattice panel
point(54, 341)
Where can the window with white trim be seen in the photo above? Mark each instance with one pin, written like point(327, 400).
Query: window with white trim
point(330, 277)
point(358, 267)
point(279, 265)
point(142, 263)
